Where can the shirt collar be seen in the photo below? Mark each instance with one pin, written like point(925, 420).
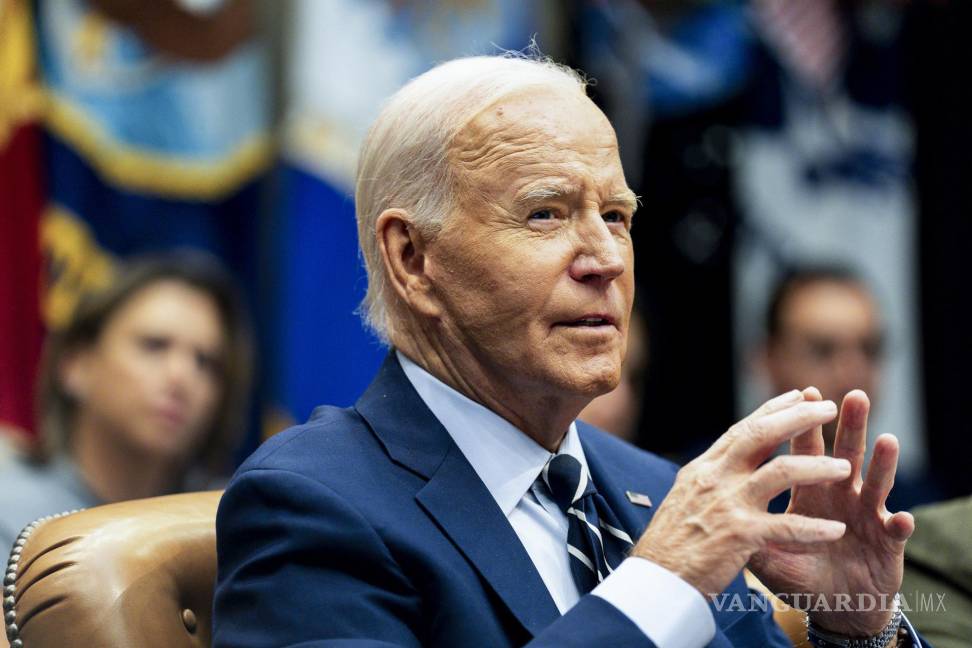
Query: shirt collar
point(507, 460)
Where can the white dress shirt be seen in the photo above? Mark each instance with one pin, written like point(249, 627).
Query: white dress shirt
point(670, 612)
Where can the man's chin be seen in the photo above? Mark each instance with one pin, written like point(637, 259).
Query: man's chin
point(593, 381)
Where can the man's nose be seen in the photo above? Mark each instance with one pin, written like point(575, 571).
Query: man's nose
point(599, 255)
point(851, 364)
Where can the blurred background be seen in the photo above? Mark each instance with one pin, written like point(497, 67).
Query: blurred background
point(803, 167)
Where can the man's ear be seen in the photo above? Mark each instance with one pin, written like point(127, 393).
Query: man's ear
point(73, 372)
point(403, 251)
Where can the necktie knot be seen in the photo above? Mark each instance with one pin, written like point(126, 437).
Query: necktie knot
point(567, 480)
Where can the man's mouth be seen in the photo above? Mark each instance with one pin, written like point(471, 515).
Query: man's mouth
point(589, 321)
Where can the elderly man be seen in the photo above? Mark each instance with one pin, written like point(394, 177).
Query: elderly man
point(458, 502)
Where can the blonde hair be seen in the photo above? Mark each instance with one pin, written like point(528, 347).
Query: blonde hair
point(404, 161)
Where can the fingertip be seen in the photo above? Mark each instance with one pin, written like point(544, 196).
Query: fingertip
point(900, 525)
point(888, 440)
point(836, 529)
point(812, 393)
point(858, 396)
point(854, 409)
point(798, 528)
point(886, 448)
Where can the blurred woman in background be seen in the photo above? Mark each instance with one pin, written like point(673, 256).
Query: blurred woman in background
point(143, 393)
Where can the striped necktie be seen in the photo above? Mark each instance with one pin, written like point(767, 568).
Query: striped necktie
point(596, 544)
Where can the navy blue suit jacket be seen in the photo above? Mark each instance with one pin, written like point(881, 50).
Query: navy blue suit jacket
point(366, 526)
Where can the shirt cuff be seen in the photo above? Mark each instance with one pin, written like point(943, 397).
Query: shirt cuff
point(669, 611)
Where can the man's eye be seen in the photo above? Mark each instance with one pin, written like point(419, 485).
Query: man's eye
point(206, 362)
point(873, 348)
point(822, 350)
point(613, 217)
point(542, 214)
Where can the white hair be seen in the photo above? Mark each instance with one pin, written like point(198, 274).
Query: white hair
point(404, 161)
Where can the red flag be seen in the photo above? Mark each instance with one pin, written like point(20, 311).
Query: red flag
point(21, 201)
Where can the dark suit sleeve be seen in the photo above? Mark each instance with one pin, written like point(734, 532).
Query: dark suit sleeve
point(299, 567)
point(592, 622)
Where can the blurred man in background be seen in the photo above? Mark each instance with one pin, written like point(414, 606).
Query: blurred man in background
point(824, 329)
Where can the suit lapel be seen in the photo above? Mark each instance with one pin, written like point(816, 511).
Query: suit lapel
point(459, 501)
point(455, 497)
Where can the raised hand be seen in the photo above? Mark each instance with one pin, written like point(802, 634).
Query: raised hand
point(864, 566)
point(714, 518)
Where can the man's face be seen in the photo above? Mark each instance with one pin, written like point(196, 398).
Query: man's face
point(533, 270)
point(830, 337)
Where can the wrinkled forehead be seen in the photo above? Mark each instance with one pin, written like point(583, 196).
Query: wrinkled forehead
point(539, 124)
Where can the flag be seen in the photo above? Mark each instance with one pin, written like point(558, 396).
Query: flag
point(21, 330)
point(157, 136)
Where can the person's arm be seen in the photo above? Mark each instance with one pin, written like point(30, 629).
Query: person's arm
point(298, 566)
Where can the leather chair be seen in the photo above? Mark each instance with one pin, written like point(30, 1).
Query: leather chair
point(132, 574)
point(138, 574)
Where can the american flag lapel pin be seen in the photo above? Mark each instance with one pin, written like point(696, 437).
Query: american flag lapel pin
point(638, 499)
